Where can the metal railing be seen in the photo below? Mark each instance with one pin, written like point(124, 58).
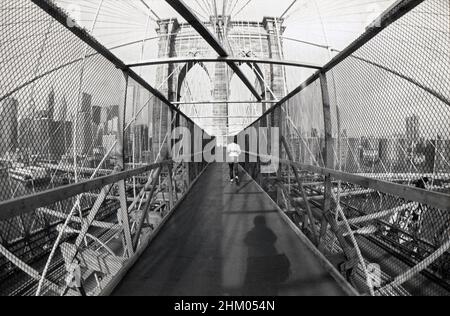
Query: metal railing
point(365, 167)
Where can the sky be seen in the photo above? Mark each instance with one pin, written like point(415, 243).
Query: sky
point(334, 23)
point(415, 49)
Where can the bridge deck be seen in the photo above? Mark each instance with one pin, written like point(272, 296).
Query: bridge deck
point(227, 240)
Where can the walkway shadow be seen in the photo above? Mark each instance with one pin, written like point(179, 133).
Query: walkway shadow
point(266, 268)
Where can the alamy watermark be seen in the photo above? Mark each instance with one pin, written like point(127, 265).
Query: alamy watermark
point(256, 145)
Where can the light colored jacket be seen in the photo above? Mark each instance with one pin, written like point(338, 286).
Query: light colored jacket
point(234, 150)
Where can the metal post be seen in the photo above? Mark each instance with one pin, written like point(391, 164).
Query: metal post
point(124, 218)
point(328, 159)
point(171, 191)
point(147, 207)
point(302, 189)
point(280, 152)
point(328, 217)
point(120, 166)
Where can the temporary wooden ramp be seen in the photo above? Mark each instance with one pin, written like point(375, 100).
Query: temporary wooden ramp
point(230, 240)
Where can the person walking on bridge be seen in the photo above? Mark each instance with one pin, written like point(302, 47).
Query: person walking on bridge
point(233, 151)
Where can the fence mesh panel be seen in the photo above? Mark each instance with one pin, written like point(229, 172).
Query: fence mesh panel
point(64, 107)
point(389, 122)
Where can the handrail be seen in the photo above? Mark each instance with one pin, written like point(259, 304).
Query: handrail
point(26, 204)
point(434, 199)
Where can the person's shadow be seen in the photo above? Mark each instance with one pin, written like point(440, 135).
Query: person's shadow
point(266, 269)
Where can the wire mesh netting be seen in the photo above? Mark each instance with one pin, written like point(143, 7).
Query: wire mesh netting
point(70, 115)
point(389, 122)
point(309, 32)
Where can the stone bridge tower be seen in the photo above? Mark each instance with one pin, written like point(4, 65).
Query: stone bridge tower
point(241, 39)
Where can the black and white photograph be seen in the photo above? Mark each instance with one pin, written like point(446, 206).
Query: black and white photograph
point(225, 155)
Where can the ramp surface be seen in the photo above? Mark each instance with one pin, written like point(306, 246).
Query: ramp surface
point(227, 240)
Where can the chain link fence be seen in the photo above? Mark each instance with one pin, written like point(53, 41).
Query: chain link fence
point(73, 119)
point(385, 139)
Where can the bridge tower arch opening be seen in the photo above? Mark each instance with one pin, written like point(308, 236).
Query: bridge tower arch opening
point(242, 115)
point(240, 38)
point(195, 83)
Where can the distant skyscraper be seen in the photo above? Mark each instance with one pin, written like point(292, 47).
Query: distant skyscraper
point(61, 110)
point(8, 127)
point(412, 127)
point(113, 119)
point(86, 102)
point(51, 104)
point(84, 134)
point(96, 114)
point(142, 137)
point(45, 138)
point(113, 112)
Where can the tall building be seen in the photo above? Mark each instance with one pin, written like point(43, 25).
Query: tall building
point(96, 114)
point(61, 135)
point(51, 105)
point(112, 119)
point(61, 110)
point(9, 126)
point(84, 131)
point(86, 102)
point(46, 139)
point(142, 137)
point(140, 133)
point(413, 127)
